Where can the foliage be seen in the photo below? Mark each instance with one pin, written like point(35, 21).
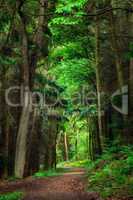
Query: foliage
point(81, 163)
point(112, 174)
point(77, 136)
point(49, 173)
point(12, 196)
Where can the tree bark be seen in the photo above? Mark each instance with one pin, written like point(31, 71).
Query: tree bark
point(119, 68)
point(115, 47)
point(20, 157)
point(66, 147)
point(130, 114)
point(98, 80)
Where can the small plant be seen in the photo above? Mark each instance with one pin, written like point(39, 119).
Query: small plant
point(12, 196)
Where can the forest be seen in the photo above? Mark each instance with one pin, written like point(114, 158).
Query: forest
point(66, 107)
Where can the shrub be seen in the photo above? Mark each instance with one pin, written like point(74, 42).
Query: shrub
point(12, 196)
point(112, 175)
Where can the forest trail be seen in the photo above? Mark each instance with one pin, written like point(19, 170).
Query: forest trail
point(69, 186)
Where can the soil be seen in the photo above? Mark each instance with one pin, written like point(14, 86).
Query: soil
point(70, 186)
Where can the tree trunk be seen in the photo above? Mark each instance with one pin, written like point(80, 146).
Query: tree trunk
point(130, 89)
point(50, 146)
point(115, 47)
point(130, 115)
point(119, 68)
point(66, 147)
point(20, 157)
point(98, 80)
point(4, 120)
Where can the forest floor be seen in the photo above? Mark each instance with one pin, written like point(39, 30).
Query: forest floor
point(71, 185)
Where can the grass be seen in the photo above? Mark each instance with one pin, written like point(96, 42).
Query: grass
point(112, 175)
point(12, 196)
point(49, 173)
point(61, 168)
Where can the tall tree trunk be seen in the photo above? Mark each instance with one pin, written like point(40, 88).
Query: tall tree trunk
point(66, 146)
point(4, 120)
point(50, 146)
point(119, 68)
point(20, 157)
point(28, 69)
point(98, 79)
point(32, 158)
point(130, 115)
point(116, 49)
point(130, 88)
point(76, 144)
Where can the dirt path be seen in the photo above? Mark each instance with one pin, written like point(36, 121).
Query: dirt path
point(70, 186)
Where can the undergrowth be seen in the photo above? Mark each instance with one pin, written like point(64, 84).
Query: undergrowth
point(12, 196)
point(82, 163)
point(112, 174)
point(49, 173)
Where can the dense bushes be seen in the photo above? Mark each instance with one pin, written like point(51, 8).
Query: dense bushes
point(112, 174)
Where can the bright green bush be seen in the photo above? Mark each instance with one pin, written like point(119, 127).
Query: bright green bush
point(12, 196)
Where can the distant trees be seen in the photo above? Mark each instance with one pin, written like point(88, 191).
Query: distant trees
point(104, 38)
